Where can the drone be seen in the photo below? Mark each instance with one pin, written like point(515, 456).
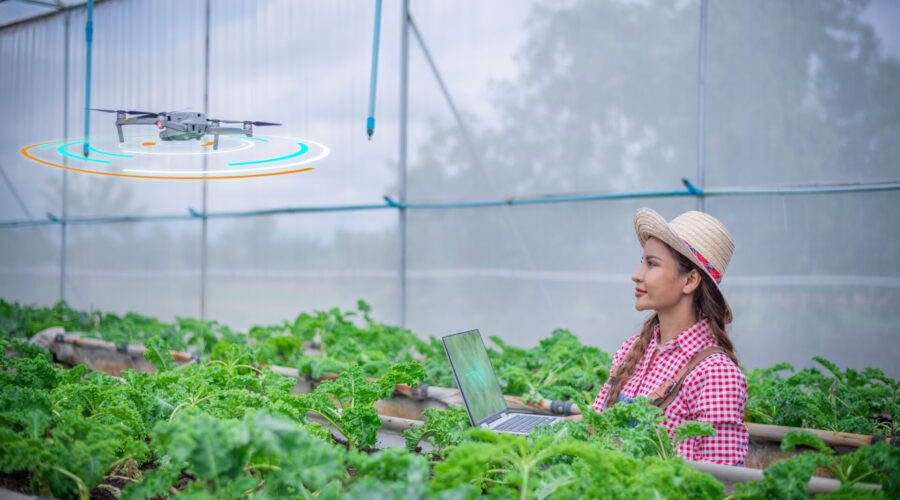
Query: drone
point(182, 125)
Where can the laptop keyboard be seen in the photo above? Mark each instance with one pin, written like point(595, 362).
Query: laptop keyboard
point(523, 423)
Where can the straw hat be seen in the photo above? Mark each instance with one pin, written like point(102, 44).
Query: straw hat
point(698, 236)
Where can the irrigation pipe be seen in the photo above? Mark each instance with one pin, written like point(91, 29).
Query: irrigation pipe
point(89, 38)
point(390, 203)
point(370, 121)
point(831, 438)
point(731, 474)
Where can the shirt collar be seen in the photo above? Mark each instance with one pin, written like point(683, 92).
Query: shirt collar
point(690, 340)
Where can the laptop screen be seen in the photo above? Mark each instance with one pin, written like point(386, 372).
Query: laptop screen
point(475, 375)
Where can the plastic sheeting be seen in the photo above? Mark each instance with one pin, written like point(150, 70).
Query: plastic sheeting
point(567, 97)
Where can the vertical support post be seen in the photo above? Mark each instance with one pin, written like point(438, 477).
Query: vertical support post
point(701, 104)
point(204, 243)
point(89, 38)
point(404, 87)
point(65, 172)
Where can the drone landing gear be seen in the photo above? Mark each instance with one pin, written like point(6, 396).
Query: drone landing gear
point(120, 118)
point(216, 142)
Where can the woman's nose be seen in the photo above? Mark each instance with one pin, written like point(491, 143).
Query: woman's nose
point(637, 276)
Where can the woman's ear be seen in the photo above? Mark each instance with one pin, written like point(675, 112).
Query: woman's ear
point(693, 282)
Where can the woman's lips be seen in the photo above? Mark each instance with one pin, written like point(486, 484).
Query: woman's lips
point(638, 292)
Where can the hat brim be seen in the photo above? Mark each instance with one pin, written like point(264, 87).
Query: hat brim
point(648, 223)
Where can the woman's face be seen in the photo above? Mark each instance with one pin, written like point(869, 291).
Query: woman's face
point(658, 284)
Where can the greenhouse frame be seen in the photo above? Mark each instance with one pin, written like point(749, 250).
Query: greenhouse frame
point(462, 165)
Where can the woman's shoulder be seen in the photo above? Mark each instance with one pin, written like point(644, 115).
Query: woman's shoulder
point(629, 342)
point(717, 367)
point(716, 390)
point(623, 351)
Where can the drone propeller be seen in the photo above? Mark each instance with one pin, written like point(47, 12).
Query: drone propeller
point(151, 113)
point(263, 124)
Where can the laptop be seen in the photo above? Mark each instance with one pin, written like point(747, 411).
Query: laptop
point(480, 388)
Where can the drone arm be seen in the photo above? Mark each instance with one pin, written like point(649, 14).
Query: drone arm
point(121, 120)
point(137, 121)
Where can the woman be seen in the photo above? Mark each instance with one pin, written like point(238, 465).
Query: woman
point(679, 276)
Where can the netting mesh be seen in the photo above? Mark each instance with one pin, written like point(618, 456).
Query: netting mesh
point(556, 98)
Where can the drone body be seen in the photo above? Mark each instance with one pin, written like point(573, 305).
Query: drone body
point(182, 125)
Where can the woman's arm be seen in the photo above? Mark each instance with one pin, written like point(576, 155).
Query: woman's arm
point(715, 393)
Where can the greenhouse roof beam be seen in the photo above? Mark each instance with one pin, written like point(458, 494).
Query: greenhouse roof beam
point(57, 6)
point(41, 3)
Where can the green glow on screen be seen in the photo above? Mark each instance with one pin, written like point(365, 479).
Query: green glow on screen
point(475, 375)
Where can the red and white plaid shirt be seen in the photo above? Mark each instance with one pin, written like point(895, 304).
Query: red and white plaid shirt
point(714, 392)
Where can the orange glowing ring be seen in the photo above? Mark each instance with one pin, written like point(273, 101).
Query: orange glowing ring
point(26, 154)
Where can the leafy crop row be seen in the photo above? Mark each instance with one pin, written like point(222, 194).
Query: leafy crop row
point(236, 431)
point(863, 402)
point(560, 367)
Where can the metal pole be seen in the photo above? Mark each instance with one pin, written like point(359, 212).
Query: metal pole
point(701, 104)
point(65, 173)
point(89, 38)
point(437, 76)
point(204, 245)
point(15, 192)
point(404, 84)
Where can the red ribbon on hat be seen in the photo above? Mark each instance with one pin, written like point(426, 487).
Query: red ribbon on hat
point(709, 267)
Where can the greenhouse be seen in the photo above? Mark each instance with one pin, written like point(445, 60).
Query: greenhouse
point(449, 250)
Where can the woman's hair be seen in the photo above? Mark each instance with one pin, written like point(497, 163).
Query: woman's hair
point(709, 303)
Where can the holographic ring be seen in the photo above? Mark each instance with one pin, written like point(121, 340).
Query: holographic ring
point(325, 152)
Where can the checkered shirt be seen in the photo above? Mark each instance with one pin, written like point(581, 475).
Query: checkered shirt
point(714, 392)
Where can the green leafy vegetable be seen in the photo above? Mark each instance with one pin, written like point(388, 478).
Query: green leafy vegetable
point(443, 428)
point(787, 479)
point(794, 438)
point(355, 416)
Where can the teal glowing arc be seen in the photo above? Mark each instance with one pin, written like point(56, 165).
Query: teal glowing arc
point(91, 148)
point(62, 150)
point(303, 149)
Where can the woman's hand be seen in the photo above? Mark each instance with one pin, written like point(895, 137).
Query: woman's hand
point(579, 418)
